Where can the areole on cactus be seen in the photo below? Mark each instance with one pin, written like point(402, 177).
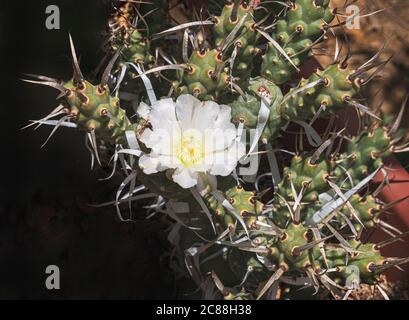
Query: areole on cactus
point(236, 86)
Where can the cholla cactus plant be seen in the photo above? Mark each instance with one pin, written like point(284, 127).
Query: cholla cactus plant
point(203, 87)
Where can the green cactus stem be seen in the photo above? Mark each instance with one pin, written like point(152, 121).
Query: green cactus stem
point(304, 25)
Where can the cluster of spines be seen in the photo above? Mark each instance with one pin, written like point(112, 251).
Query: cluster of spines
point(290, 250)
point(365, 259)
point(374, 146)
point(304, 24)
point(125, 36)
point(245, 109)
point(91, 107)
point(312, 177)
point(135, 49)
point(121, 19)
point(208, 74)
point(245, 40)
point(244, 202)
point(326, 92)
point(94, 109)
point(204, 76)
point(304, 173)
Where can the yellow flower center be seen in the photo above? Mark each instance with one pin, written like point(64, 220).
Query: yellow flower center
point(190, 150)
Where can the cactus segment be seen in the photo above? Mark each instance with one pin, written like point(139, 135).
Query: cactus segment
point(245, 109)
point(365, 153)
point(244, 41)
point(245, 204)
point(135, 49)
point(304, 25)
point(94, 109)
point(326, 91)
point(204, 76)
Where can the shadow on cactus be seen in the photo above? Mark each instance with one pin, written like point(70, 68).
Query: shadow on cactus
point(214, 99)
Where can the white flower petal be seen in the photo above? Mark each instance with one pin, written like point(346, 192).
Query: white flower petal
point(205, 115)
point(185, 178)
point(161, 141)
point(168, 161)
point(218, 139)
point(163, 114)
point(149, 164)
point(224, 162)
point(223, 120)
point(143, 110)
point(149, 138)
point(186, 105)
point(196, 138)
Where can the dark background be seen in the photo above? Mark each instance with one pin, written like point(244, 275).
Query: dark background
point(44, 216)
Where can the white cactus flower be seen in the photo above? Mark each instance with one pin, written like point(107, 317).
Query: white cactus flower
point(195, 138)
